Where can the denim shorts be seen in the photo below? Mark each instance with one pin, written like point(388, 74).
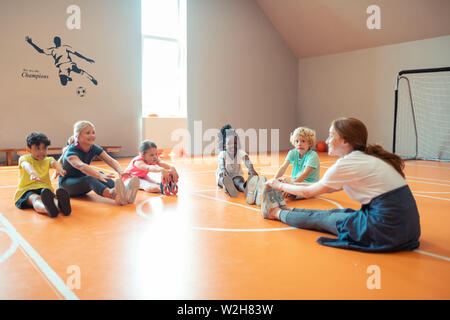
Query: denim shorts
point(22, 202)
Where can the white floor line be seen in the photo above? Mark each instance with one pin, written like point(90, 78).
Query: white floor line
point(431, 197)
point(139, 210)
point(49, 273)
point(10, 186)
point(439, 192)
point(33, 264)
point(431, 179)
point(428, 182)
point(419, 165)
point(432, 255)
point(243, 230)
point(278, 229)
point(12, 248)
point(226, 201)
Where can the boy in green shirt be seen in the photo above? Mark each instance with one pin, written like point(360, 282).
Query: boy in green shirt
point(35, 189)
point(305, 161)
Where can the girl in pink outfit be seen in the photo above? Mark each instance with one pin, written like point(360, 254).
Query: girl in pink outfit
point(148, 161)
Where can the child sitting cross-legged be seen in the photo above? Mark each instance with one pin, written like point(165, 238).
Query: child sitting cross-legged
point(305, 161)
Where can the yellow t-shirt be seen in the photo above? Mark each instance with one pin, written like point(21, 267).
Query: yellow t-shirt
point(42, 169)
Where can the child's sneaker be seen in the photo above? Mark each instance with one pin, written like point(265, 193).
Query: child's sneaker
point(269, 201)
point(120, 195)
point(48, 199)
point(173, 186)
point(132, 188)
point(165, 187)
point(259, 188)
point(63, 198)
point(251, 189)
point(229, 187)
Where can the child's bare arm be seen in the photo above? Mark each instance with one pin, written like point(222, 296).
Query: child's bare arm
point(153, 168)
point(222, 166)
point(249, 165)
point(87, 169)
point(30, 170)
point(58, 168)
point(111, 162)
point(169, 168)
point(282, 169)
point(304, 174)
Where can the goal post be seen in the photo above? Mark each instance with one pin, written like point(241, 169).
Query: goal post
point(422, 114)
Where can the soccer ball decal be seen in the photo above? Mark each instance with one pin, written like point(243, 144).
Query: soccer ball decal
point(81, 92)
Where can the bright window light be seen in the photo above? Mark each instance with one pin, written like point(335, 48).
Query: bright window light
point(163, 58)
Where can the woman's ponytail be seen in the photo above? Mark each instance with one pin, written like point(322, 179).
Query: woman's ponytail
point(394, 160)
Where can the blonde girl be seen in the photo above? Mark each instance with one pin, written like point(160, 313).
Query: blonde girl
point(81, 177)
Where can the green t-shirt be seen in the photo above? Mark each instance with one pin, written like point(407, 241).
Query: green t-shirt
point(299, 164)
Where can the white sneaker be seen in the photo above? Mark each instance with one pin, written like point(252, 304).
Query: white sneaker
point(268, 201)
point(229, 186)
point(132, 188)
point(121, 197)
point(259, 188)
point(251, 189)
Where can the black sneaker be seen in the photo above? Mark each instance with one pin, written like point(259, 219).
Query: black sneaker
point(63, 198)
point(48, 199)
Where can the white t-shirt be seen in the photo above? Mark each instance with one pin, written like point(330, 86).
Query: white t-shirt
point(362, 177)
point(232, 166)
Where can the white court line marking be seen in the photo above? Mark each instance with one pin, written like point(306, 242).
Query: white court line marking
point(12, 248)
point(139, 210)
point(278, 229)
point(443, 192)
point(431, 179)
point(49, 273)
point(60, 297)
point(243, 230)
point(427, 182)
point(11, 186)
point(251, 208)
point(431, 197)
point(432, 255)
point(419, 165)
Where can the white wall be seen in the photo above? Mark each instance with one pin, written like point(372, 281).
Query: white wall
point(361, 84)
point(109, 34)
point(239, 70)
point(166, 133)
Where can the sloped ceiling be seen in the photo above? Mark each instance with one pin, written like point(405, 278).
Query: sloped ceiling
point(321, 27)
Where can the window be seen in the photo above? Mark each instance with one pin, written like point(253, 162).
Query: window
point(164, 58)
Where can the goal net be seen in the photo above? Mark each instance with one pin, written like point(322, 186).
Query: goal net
point(422, 114)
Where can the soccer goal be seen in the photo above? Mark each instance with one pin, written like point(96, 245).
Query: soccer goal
point(422, 114)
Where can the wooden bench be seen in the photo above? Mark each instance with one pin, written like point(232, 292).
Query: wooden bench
point(50, 151)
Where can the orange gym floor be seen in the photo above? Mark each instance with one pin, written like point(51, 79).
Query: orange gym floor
point(203, 244)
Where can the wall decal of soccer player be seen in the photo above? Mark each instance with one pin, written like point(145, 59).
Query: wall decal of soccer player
point(63, 60)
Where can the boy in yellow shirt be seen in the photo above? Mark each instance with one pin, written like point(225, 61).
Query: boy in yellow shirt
point(35, 189)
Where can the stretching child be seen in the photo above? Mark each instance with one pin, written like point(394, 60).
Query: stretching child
point(229, 174)
point(81, 177)
point(148, 161)
point(305, 161)
point(35, 189)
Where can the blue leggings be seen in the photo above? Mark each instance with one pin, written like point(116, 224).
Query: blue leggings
point(313, 219)
point(82, 185)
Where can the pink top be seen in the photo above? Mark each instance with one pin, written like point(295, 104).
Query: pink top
point(135, 171)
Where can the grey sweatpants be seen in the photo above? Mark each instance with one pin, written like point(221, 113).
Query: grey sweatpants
point(313, 219)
